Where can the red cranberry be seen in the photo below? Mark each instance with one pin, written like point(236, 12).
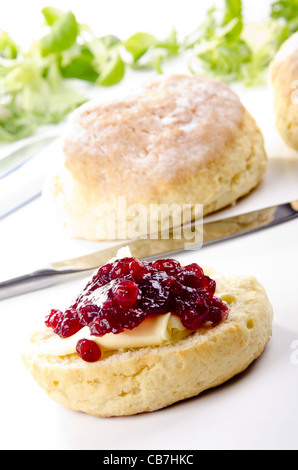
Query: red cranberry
point(100, 278)
point(167, 265)
point(208, 285)
point(154, 296)
point(195, 313)
point(189, 278)
point(103, 273)
point(174, 286)
point(68, 324)
point(218, 311)
point(101, 326)
point(120, 268)
point(53, 318)
point(115, 321)
point(192, 321)
point(87, 313)
point(138, 270)
point(88, 350)
point(195, 268)
point(126, 293)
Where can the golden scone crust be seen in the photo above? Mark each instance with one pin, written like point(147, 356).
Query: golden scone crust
point(147, 379)
point(284, 79)
point(182, 139)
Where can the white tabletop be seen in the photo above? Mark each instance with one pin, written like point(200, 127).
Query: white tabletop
point(256, 410)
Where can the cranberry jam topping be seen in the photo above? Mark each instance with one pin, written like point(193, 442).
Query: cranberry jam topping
point(121, 294)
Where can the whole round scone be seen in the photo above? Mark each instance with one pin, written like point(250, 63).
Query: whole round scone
point(126, 382)
point(284, 79)
point(181, 140)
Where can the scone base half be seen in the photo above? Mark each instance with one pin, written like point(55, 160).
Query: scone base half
point(148, 379)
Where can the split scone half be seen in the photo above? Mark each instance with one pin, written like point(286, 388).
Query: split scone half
point(284, 79)
point(150, 367)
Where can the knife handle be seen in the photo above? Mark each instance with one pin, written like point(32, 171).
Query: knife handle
point(33, 281)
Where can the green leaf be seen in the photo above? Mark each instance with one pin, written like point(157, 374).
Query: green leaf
point(233, 10)
point(139, 43)
point(8, 48)
point(50, 98)
point(109, 41)
point(80, 66)
point(205, 32)
point(170, 43)
point(287, 9)
point(112, 71)
point(150, 53)
point(157, 59)
point(17, 127)
point(51, 15)
point(225, 61)
point(19, 75)
point(63, 34)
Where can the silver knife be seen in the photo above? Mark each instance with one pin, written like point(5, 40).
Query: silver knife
point(22, 175)
point(19, 157)
point(213, 232)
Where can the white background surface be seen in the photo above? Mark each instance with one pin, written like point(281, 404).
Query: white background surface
point(258, 409)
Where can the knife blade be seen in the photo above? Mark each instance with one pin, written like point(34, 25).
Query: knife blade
point(22, 175)
point(148, 248)
point(19, 157)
